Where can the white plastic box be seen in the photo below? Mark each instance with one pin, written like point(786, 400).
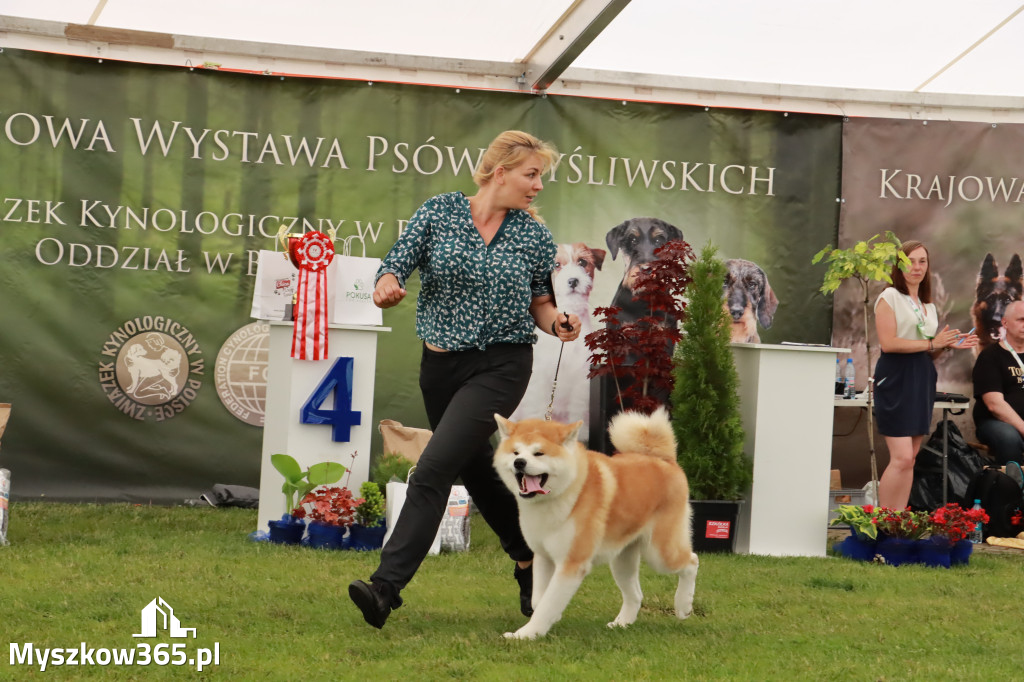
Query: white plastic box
point(855, 496)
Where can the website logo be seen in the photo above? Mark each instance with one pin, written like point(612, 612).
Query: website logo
point(158, 614)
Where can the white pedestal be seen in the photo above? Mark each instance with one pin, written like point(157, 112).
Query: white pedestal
point(786, 406)
point(289, 385)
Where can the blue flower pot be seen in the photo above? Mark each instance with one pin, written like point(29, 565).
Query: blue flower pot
point(856, 547)
point(960, 552)
point(365, 539)
point(287, 531)
point(934, 551)
point(896, 551)
point(324, 536)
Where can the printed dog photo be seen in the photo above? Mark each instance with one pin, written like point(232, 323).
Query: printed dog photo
point(636, 239)
point(576, 266)
point(993, 294)
point(748, 298)
point(578, 508)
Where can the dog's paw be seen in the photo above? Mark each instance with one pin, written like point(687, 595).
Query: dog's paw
point(523, 633)
point(615, 624)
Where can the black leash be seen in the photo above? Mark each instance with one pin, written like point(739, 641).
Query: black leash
point(554, 384)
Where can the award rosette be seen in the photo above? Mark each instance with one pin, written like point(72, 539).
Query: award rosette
point(311, 253)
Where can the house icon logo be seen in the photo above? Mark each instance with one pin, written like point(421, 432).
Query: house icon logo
point(159, 614)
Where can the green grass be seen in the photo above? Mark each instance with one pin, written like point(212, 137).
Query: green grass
point(82, 573)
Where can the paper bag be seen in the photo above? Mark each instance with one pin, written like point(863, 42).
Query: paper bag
point(395, 492)
point(353, 291)
point(275, 287)
point(454, 529)
point(5, 414)
point(407, 441)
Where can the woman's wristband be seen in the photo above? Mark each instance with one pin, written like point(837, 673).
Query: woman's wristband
point(553, 332)
point(931, 345)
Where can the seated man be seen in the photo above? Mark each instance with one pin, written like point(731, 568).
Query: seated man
point(999, 390)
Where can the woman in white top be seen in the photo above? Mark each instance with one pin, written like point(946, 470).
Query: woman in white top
point(907, 324)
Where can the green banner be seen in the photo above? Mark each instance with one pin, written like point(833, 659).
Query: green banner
point(135, 199)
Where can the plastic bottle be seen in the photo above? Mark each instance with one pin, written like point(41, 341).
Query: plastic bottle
point(851, 392)
point(840, 381)
point(976, 534)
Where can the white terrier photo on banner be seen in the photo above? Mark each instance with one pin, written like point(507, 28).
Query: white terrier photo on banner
point(573, 280)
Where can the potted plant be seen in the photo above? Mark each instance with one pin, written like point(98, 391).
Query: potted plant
point(706, 409)
point(390, 466)
point(297, 483)
point(637, 355)
point(954, 524)
point(898, 530)
point(329, 511)
point(860, 545)
point(368, 530)
point(864, 262)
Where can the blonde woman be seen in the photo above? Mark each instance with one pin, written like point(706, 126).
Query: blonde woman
point(485, 266)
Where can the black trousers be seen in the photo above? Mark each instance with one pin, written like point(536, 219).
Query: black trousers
point(462, 391)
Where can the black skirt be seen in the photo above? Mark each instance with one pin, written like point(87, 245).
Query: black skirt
point(904, 393)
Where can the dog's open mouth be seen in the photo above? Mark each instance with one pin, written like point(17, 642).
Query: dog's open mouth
point(531, 485)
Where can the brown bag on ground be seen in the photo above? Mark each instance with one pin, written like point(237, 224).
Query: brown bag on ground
point(404, 440)
point(5, 414)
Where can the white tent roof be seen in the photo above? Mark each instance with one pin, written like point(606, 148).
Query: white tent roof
point(926, 58)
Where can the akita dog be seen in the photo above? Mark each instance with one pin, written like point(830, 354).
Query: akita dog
point(578, 508)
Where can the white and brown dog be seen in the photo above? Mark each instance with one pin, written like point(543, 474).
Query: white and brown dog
point(748, 298)
point(578, 508)
point(572, 280)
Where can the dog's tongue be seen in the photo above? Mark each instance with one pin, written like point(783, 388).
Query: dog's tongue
point(531, 484)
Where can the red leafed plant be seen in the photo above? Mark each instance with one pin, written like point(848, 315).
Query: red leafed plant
point(902, 523)
point(333, 506)
point(638, 355)
point(955, 522)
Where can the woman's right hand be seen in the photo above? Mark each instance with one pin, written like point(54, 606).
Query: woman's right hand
point(387, 293)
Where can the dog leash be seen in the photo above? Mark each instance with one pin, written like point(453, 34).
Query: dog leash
point(554, 383)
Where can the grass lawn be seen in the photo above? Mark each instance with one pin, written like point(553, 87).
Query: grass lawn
point(82, 573)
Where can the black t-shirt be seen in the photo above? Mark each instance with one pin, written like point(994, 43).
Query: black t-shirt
point(995, 371)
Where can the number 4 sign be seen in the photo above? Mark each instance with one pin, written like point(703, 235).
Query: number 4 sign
point(339, 381)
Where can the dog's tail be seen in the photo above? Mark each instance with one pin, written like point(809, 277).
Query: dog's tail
point(646, 434)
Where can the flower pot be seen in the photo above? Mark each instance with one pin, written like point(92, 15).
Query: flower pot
point(960, 552)
point(287, 531)
point(896, 551)
point(324, 536)
point(364, 538)
point(934, 551)
point(714, 525)
point(857, 547)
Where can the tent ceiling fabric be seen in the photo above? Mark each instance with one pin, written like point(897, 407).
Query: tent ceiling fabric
point(912, 49)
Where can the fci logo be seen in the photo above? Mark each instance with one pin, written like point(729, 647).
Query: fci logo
point(159, 614)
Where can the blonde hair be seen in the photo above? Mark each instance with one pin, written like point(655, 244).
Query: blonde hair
point(509, 150)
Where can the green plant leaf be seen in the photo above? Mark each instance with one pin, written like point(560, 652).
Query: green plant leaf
point(287, 466)
point(325, 472)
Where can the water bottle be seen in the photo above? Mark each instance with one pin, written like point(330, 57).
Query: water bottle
point(851, 392)
point(840, 381)
point(976, 534)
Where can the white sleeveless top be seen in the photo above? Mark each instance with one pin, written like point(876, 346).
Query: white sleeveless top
point(908, 314)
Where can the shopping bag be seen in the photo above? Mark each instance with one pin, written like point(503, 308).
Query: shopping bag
point(272, 295)
point(353, 291)
point(454, 529)
point(395, 492)
point(407, 441)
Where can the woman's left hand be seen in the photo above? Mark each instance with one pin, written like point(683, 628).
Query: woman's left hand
point(563, 333)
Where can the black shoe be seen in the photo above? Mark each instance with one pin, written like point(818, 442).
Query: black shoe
point(524, 576)
point(375, 600)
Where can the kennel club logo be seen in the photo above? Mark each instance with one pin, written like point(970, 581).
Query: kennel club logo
point(151, 368)
point(241, 372)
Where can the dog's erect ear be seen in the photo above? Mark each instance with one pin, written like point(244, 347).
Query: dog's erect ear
point(1013, 270)
point(572, 434)
point(672, 232)
point(766, 306)
point(504, 425)
point(988, 272)
point(614, 238)
point(598, 257)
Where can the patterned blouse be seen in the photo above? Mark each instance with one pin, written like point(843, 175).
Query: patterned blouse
point(472, 294)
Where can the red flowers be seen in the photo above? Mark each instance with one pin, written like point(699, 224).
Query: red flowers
point(331, 506)
point(955, 522)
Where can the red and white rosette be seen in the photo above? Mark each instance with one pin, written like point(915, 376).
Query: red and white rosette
point(311, 253)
